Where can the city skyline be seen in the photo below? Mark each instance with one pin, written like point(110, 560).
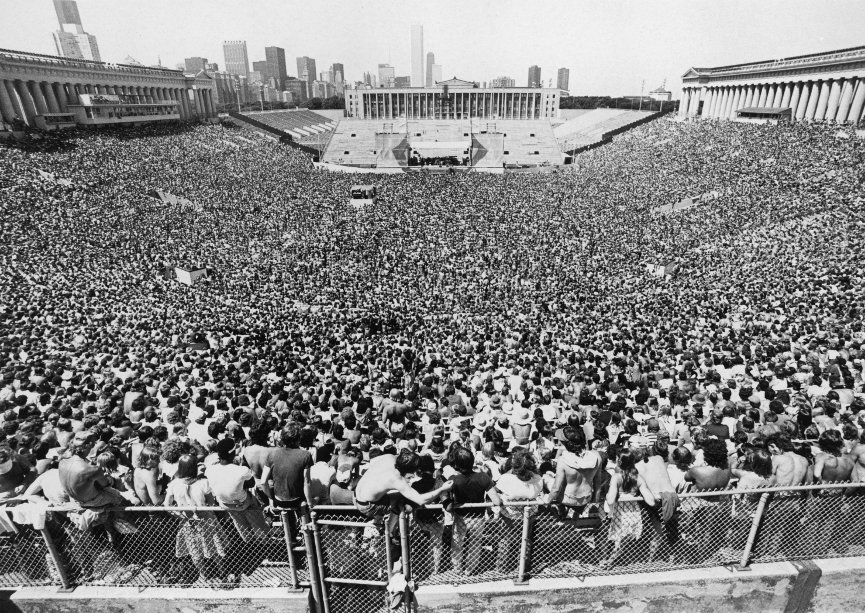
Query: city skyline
point(610, 48)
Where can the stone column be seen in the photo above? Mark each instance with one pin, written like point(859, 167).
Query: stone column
point(834, 99)
point(27, 102)
point(845, 100)
point(748, 96)
point(804, 101)
point(796, 92)
point(60, 95)
point(50, 98)
point(38, 97)
point(728, 102)
point(7, 109)
point(737, 102)
point(762, 95)
point(684, 101)
point(770, 95)
point(785, 95)
point(813, 98)
point(707, 103)
point(695, 102)
point(822, 101)
point(858, 102)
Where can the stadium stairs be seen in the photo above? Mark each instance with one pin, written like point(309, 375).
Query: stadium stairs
point(597, 127)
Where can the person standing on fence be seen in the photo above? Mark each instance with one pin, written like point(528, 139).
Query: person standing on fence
point(230, 484)
point(469, 486)
point(283, 475)
point(663, 513)
point(706, 514)
point(823, 514)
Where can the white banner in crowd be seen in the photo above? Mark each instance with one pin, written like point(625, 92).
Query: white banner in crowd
point(168, 198)
point(50, 177)
point(190, 276)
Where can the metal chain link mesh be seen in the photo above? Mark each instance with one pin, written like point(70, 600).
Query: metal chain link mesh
point(161, 548)
point(356, 553)
point(25, 561)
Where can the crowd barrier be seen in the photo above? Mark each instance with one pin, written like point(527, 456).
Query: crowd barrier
point(350, 563)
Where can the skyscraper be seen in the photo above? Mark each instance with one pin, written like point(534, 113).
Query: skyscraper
point(306, 72)
point(276, 68)
point(386, 74)
point(430, 60)
point(417, 71)
point(534, 76)
point(71, 40)
point(195, 65)
point(563, 77)
point(236, 58)
point(436, 73)
point(503, 82)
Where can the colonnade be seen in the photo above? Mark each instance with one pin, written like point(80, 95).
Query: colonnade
point(840, 100)
point(26, 99)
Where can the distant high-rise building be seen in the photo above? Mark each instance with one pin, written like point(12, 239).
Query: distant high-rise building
point(194, 64)
point(386, 74)
point(369, 79)
point(298, 89)
point(430, 60)
point(503, 82)
point(338, 73)
point(71, 40)
point(260, 67)
point(436, 73)
point(402, 81)
point(417, 71)
point(236, 58)
point(306, 72)
point(276, 67)
point(534, 76)
point(563, 77)
point(256, 76)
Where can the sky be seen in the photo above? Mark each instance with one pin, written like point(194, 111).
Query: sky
point(610, 46)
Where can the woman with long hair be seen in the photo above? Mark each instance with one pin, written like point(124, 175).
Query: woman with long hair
point(521, 482)
point(626, 522)
point(199, 536)
point(146, 478)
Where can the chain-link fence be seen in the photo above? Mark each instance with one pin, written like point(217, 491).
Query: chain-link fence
point(353, 563)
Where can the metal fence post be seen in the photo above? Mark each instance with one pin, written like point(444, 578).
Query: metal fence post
point(316, 584)
point(752, 535)
point(406, 557)
point(524, 547)
point(292, 564)
point(319, 562)
point(58, 561)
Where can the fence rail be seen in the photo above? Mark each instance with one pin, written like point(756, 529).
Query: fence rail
point(350, 562)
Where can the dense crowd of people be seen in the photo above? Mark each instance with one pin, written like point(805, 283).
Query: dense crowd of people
point(469, 338)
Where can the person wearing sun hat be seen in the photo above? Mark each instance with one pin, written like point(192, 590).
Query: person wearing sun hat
point(522, 427)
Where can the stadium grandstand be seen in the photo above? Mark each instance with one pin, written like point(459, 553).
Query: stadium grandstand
point(215, 371)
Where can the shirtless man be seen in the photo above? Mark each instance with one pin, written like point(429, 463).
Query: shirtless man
point(830, 465)
point(653, 470)
point(386, 482)
point(788, 468)
point(577, 470)
point(708, 512)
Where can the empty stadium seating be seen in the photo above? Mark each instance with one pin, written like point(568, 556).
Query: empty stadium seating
point(301, 125)
point(588, 128)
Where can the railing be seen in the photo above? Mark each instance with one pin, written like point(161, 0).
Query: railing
point(350, 562)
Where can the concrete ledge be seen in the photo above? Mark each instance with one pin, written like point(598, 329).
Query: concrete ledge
point(154, 600)
point(776, 587)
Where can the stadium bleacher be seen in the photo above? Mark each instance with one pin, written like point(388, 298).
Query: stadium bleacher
point(588, 128)
point(302, 125)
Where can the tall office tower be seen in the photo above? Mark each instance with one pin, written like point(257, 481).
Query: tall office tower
point(195, 65)
point(276, 67)
point(236, 58)
point(298, 89)
point(534, 76)
point(417, 71)
point(503, 82)
point(402, 81)
point(563, 78)
point(306, 72)
point(436, 73)
point(338, 76)
point(386, 74)
point(211, 67)
point(430, 60)
point(369, 79)
point(259, 73)
point(71, 40)
point(326, 77)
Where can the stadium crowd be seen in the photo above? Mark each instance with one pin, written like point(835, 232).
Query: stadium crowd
point(470, 337)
